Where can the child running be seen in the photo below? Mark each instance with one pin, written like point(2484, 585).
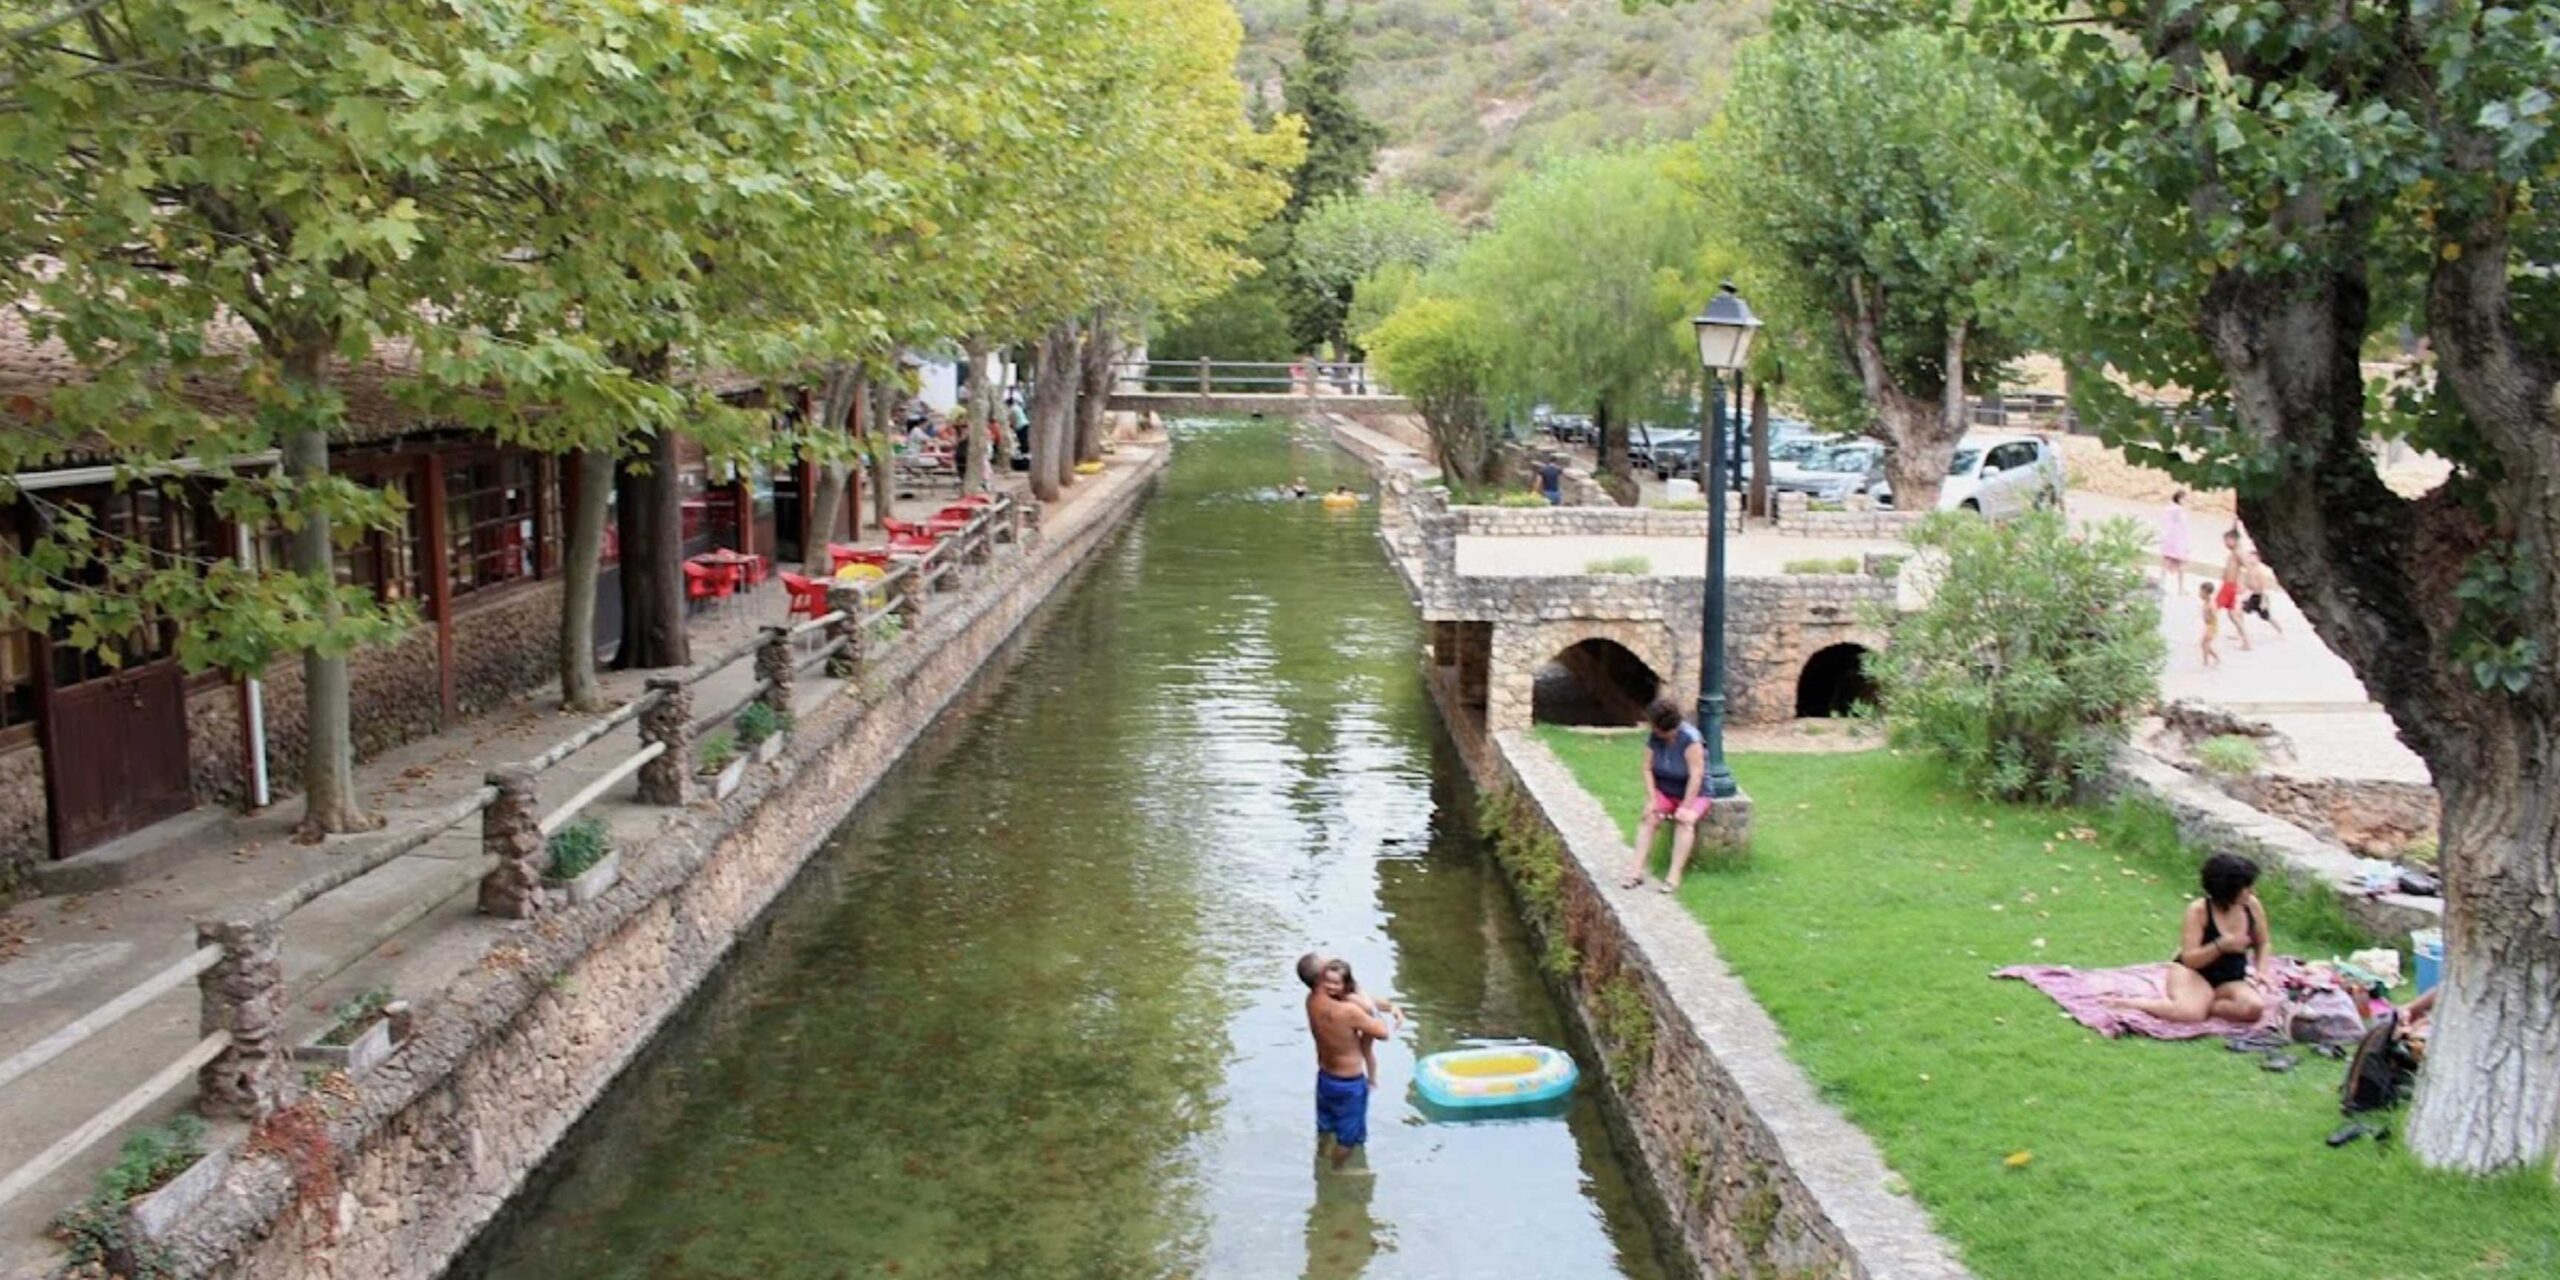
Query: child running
point(2227, 598)
point(2212, 624)
point(2255, 582)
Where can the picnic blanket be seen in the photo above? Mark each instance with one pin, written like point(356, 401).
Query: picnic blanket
point(2082, 993)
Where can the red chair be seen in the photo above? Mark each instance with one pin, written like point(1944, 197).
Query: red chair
point(973, 500)
point(808, 595)
point(704, 583)
point(958, 511)
point(901, 528)
point(839, 555)
point(755, 569)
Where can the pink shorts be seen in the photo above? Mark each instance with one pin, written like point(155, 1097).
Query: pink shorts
point(1662, 806)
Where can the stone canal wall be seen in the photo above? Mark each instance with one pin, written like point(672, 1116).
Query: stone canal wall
point(392, 1176)
point(1752, 1173)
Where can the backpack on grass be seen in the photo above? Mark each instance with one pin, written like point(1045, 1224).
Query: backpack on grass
point(2381, 1071)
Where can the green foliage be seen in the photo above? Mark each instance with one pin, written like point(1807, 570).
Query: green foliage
point(1517, 499)
point(756, 722)
point(1476, 94)
point(1901, 228)
point(1682, 504)
point(1249, 320)
point(1582, 290)
point(1886, 567)
point(1532, 859)
point(1636, 566)
point(1435, 351)
point(1839, 564)
point(718, 752)
point(1342, 142)
point(1864, 925)
point(96, 1231)
point(576, 849)
point(1344, 239)
point(2231, 755)
point(349, 1017)
point(2031, 657)
point(1624, 1020)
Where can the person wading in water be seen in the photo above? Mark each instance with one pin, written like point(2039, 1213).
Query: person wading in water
point(1344, 1029)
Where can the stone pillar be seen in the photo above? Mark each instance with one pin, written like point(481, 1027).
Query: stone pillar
point(1475, 668)
point(1013, 522)
point(1726, 830)
point(511, 832)
point(911, 601)
point(981, 544)
point(666, 780)
point(244, 995)
point(773, 669)
point(847, 599)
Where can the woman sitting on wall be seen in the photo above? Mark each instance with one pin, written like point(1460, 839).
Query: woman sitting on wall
point(1675, 787)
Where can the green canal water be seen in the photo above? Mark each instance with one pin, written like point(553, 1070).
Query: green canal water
point(1033, 1015)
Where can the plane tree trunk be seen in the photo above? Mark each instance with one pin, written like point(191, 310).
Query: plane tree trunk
point(331, 803)
point(1094, 389)
point(590, 486)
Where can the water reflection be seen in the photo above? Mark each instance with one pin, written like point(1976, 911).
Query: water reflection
point(1034, 1014)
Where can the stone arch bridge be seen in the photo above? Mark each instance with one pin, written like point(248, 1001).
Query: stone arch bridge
point(1792, 641)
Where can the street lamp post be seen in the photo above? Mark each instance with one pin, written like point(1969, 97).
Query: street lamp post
point(1725, 330)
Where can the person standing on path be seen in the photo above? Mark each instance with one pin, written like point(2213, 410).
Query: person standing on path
point(1551, 481)
point(2256, 583)
point(2173, 539)
point(1675, 781)
point(2227, 599)
point(2212, 625)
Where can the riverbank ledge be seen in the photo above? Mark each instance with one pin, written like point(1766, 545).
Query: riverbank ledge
point(391, 1176)
point(1752, 1172)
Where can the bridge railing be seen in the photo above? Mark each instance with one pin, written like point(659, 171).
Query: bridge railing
point(1250, 377)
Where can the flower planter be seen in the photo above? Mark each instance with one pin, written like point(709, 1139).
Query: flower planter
point(727, 780)
point(152, 1214)
point(769, 750)
point(592, 882)
point(355, 1057)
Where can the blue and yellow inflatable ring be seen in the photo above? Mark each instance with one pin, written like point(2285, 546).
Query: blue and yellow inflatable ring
point(1501, 1076)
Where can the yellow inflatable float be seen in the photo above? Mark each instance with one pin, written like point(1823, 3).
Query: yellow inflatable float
point(1341, 500)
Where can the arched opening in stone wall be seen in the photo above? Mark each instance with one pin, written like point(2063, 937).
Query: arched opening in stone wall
point(1834, 682)
point(1595, 682)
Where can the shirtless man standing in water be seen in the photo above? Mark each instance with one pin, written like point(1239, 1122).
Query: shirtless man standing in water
point(1343, 1029)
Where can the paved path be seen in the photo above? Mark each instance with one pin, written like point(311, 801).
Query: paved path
point(82, 951)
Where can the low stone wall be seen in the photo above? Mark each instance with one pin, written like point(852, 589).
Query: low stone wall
point(2216, 821)
point(2372, 817)
point(1663, 522)
point(421, 1153)
point(1753, 1173)
point(504, 646)
point(217, 767)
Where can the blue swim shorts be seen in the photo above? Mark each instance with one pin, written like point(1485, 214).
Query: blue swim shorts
point(1342, 1107)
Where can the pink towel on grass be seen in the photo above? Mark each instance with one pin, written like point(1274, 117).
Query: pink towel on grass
point(2082, 993)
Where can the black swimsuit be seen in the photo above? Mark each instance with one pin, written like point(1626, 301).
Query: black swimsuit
point(2225, 968)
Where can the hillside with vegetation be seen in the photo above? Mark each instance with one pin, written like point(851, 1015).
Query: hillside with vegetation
point(1471, 92)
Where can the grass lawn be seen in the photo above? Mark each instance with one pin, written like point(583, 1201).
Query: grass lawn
point(1877, 900)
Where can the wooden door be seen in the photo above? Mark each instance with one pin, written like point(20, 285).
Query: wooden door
point(115, 752)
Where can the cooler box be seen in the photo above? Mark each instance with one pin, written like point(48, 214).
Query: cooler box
point(2428, 946)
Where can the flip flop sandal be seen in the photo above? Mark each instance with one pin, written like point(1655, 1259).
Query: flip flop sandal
point(2353, 1130)
point(2278, 1062)
point(1668, 888)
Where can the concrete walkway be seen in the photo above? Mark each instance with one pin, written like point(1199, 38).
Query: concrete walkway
point(79, 952)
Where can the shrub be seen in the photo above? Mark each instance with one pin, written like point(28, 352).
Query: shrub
point(577, 847)
point(1887, 568)
point(94, 1230)
point(1842, 564)
point(756, 722)
point(349, 1017)
point(719, 751)
point(2032, 656)
point(1515, 498)
point(1821, 504)
point(1632, 565)
point(1682, 504)
point(2230, 755)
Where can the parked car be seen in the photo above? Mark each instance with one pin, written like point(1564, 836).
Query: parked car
point(1832, 472)
point(1787, 457)
point(1677, 457)
point(1571, 428)
point(1644, 439)
point(1999, 474)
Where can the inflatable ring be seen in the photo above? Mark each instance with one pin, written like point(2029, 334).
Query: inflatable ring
point(1501, 1076)
point(1088, 468)
point(1340, 501)
point(859, 572)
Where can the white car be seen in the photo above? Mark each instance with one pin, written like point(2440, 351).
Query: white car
point(1998, 474)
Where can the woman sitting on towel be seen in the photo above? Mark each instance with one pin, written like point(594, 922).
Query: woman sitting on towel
point(2223, 947)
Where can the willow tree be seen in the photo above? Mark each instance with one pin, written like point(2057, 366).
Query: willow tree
point(2284, 184)
point(1886, 255)
point(1585, 284)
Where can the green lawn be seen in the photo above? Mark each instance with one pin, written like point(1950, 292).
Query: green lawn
point(1875, 903)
